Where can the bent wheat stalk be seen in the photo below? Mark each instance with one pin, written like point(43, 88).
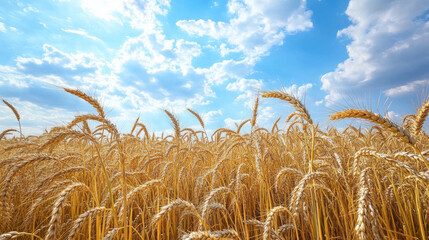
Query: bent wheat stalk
point(18, 117)
point(377, 119)
point(94, 103)
point(292, 100)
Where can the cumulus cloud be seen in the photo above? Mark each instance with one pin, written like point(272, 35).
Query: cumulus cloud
point(265, 115)
point(140, 13)
point(232, 123)
point(63, 68)
point(221, 72)
point(211, 116)
point(255, 27)
point(160, 70)
point(247, 88)
point(388, 50)
point(300, 91)
point(80, 62)
point(156, 53)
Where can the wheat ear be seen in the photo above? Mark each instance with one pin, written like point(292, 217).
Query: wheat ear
point(205, 235)
point(111, 234)
point(197, 116)
point(375, 118)
point(54, 223)
point(421, 115)
point(213, 194)
point(178, 203)
point(81, 219)
point(15, 234)
point(135, 125)
point(255, 113)
point(175, 123)
point(6, 132)
point(298, 191)
point(18, 117)
point(367, 221)
point(269, 232)
point(292, 100)
point(94, 103)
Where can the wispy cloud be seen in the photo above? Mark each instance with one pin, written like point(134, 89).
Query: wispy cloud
point(2, 27)
point(407, 88)
point(79, 32)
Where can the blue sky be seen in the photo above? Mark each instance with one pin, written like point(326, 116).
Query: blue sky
point(139, 57)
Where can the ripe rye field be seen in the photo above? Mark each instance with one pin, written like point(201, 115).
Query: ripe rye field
point(82, 182)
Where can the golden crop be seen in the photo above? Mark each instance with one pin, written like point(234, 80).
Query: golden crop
point(75, 182)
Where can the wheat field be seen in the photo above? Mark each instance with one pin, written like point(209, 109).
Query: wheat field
point(86, 180)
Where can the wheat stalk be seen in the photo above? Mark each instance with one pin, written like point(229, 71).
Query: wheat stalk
point(5, 132)
point(292, 100)
point(420, 117)
point(175, 124)
point(77, 224)
point(375, 118)
point(176, 204)
point(94, 103)
point(54, 223)
point(197, 116)
point(203, 235)
point(18, 117)
point(255, 113)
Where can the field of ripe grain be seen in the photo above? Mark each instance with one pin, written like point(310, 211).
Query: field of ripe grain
point(78, 182)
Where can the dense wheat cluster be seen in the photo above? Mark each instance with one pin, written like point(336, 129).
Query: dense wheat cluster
point(86, 180)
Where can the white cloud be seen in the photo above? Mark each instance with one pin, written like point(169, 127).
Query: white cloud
point(2, 27)
point(156, 53)
point(31, 9)
point(34, 118)
point(56, 62)
point(56, 68)
point(11, 76)
point(265, 115)
point(388, 51)
point(411, 87)
point(300, 91)
point(220, 72)
point(318, 103)
point(140, 13)
point(211, 116)
point(79, 32)
point(395, 117)
point(256, 26)
point(247, 88)
point(232, 123)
